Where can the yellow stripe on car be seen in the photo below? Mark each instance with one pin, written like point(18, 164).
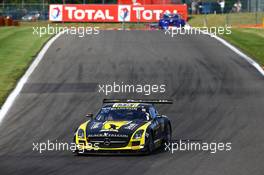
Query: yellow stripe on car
point(129, 146)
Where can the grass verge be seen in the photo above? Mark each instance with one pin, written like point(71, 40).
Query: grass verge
point(250, 41)
point(18, 47)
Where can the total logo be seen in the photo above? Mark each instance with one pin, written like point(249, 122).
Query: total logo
point(108, 13)
point(55, 13)
point(124, 12)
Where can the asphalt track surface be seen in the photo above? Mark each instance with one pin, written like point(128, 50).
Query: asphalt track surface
point(218, 97)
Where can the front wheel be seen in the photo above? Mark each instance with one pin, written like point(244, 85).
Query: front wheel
point(168, 134)
point(167, 137)
point(150, 145)
point(76, 153)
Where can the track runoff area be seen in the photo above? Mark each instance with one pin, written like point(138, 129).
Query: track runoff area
point(216, 116)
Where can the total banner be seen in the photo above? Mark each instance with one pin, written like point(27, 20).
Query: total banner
point(112, 13)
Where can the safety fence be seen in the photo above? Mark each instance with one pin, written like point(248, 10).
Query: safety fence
point(243, 12)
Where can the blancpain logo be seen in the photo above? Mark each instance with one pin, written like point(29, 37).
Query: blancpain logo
point(95, 125)
point(131, 126)
point(107, 135)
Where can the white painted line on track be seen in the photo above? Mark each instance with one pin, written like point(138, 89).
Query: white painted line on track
point(12, 96)
point(237, 51)
point(247, 58)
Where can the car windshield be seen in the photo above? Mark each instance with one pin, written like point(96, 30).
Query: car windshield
point(117, 114)
point(175, 16)
point(166, 16)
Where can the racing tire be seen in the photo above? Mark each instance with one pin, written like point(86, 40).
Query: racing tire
point(168, 134)
point(167, 137)
point(76, 152)
point(150, 145)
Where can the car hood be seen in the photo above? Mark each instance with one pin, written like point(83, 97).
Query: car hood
point(113, 128)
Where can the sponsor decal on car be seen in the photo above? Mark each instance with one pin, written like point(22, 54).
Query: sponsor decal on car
point(107, 135)
point(131, 126)
point(125, 105)
point(113, 125)
point(96, 125)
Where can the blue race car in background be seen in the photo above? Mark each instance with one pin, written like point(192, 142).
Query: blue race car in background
point(171, 20)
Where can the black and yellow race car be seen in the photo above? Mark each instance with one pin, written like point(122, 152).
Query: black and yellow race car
point(124, 126)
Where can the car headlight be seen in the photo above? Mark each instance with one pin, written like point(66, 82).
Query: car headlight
point(80, 133)
point(138, 134)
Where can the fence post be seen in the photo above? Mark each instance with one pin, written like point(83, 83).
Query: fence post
point(248, 5)
point(256, 17)
point(43, 1)
point(227, 20)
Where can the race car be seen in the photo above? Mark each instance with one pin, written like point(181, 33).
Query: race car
point(171, 20)
point(124, 126)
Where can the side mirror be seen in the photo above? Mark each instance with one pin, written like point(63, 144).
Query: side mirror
point(89, 115)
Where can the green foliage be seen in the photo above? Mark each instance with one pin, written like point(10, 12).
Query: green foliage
point(251, 41)
point(18, 46)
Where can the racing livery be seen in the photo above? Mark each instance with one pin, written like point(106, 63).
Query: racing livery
point(171, 20)
point(124, 126)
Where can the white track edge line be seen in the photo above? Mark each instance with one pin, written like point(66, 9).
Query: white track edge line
point(237, 51)
point(12, 96)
